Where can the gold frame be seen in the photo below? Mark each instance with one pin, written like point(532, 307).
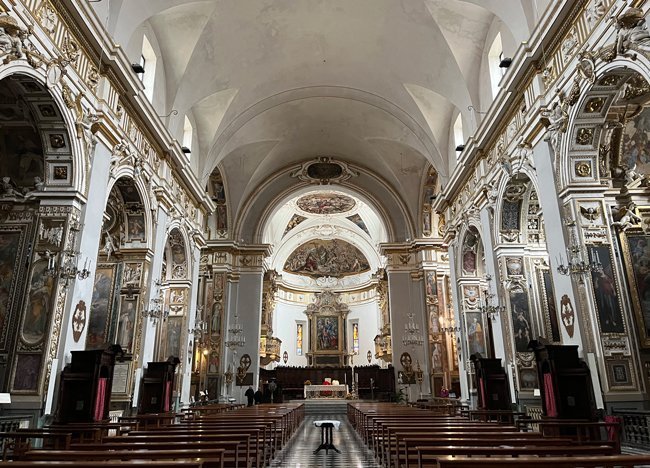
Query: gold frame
point(644, 336)
point(546, 309)
point(630, 384)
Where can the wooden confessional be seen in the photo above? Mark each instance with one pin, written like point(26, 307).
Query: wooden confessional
point(491, 383)
point(157, 389)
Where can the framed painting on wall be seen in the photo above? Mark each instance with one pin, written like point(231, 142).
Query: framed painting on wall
point(327, 333)
point(619, 374)
point(27, 373)
point(610, 318)
point(636, 256)
point(101, 307)
point(547, 296)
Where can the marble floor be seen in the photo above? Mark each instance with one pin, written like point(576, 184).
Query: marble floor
point(299, 452)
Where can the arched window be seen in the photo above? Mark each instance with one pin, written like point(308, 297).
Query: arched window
point(188, 133)
point(148, 61)
point(459, 138)
point(494, 58)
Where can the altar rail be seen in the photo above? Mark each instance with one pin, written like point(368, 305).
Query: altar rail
point(291, 380)
point(636, 427)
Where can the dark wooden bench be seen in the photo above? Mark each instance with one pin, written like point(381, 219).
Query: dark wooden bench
point(428, 456)
point(621, 461)
point(14, 444)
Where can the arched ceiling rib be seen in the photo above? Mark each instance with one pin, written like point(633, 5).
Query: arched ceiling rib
point(270, 83)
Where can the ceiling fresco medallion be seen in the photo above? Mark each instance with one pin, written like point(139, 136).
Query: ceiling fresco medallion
point(325, 203)
point(333, 258)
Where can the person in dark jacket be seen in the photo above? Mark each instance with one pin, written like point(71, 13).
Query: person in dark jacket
point(250, 394)
point(258, 396)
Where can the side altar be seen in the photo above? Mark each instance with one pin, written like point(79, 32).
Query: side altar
point(328, 334)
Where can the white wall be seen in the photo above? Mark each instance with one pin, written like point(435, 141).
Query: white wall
point(287, 315)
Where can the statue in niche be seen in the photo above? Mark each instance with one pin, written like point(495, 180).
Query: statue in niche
point(632, 32)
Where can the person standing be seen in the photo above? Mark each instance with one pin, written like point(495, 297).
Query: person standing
point(258, 396)
point(250, 394)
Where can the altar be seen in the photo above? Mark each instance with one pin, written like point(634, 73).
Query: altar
point(325, 391)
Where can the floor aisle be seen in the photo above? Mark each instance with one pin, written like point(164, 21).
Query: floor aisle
point(299, 452)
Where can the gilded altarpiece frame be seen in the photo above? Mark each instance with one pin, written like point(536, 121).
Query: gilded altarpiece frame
point(636, 256)
point(327, 337)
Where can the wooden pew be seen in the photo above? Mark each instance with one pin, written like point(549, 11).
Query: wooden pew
point(196, 463)
point(14, 444)
point(428, 456)
point(213, 458)
point(408, 442)
point(235, 448)
point(623, 461)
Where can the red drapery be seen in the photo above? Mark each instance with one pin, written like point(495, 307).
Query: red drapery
point(98, 413)
point(167, 396)
point(549, 396)
point(481, 387)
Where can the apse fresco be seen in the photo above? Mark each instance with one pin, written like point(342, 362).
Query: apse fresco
point(293, 222)
point(636, 143)
point(325, 203)
point(356, 219)
point(326, 258)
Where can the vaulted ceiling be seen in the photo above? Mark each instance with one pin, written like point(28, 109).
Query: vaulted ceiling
point(270, 83)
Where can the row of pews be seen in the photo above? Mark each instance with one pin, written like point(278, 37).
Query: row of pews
point(213, 436)
point(446, 436)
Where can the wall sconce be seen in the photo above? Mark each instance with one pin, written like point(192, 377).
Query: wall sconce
point(285, 357)
point(369, 356)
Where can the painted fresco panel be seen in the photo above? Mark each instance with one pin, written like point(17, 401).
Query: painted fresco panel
point(610, 317)
point(100, 307)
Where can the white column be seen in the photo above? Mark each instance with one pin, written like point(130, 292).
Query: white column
point(406, 295)
point(187, 351)
point(149, 327)
point(461, 345)
point(88, 245)
point(555, 239)
point(494, 285)
point(244, 298)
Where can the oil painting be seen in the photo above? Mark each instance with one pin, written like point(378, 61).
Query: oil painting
point(136, 227)
point(326, 258)
point(28, 369)
point(39, 303)
point(9, 244)
point(521, 324)
point(327, 333)
point(603, 281)
point(475, 333)
point(636, 252)
point(126, 323)
point(100, 307)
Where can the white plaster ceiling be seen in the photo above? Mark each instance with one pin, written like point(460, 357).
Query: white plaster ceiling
point(269, 83)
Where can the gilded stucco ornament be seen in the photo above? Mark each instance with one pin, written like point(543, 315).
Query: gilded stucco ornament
point(627, 218)
point(12, 38)
point(559, 117)
point(596, 11)
point(632, 32)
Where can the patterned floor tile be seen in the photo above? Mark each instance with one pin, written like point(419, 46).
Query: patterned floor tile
point(299, 452)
